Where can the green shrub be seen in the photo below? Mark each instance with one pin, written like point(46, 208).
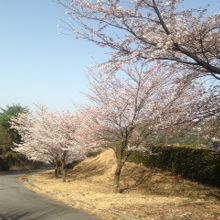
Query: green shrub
point(200, 165)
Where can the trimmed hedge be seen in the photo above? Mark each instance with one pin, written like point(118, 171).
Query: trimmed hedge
point(4, 165)
point(201, 165)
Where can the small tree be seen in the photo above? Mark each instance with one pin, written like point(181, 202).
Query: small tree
point(49, 137)
point(132, 104)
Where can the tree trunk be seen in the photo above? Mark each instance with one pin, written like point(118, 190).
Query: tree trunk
point(59, 170)
point(117, 177)
point(63, 172)
point(166, 139)
point(56, 170)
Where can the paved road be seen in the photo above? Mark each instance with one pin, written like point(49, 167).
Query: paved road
point(18, 203)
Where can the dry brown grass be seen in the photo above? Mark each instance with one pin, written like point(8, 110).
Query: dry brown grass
point(147, 193)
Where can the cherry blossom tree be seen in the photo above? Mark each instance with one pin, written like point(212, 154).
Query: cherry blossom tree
point(49, 137)
point(152, 30)
point(132, 104)
point(90, 132)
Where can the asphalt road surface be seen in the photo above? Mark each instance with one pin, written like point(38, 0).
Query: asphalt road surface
point(18, 203)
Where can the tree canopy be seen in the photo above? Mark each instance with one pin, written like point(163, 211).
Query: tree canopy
point(153, 30)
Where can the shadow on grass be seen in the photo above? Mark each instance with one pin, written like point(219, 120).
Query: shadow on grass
point(157, 182)
point(71, 175)
point(14, 216)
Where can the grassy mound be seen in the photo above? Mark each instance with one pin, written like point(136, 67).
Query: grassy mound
point(99, 168)
point(136, 177)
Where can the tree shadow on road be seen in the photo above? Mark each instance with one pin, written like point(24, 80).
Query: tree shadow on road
point(20, 172)
point(14, 216)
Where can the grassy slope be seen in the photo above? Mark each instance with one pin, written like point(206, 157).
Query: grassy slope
point(147, 193)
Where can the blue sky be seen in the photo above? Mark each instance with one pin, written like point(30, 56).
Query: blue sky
point(37, 63)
